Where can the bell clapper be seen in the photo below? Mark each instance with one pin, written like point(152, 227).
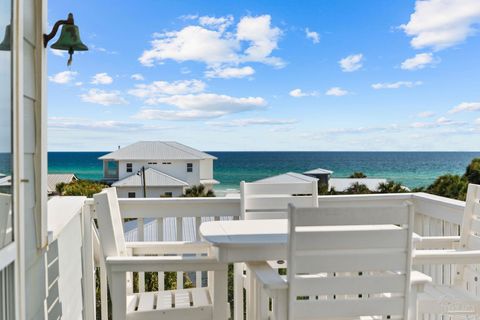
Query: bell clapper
point(70, 53)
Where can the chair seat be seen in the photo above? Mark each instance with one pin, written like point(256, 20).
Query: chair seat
point(447, 300)
point(179, 304)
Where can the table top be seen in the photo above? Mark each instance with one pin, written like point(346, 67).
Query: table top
point(241, 233)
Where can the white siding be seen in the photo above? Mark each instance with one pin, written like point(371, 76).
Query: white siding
point(152, 192)
point(177, 169)
point(31, 160)
point(206, 169)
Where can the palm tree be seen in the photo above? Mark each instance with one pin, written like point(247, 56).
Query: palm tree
point(198, 191)
point(391, 187)
point(357, 175)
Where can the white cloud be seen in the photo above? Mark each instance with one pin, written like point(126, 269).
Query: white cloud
point(105, 98)
point(79, 83)
point(253, 122)
point(159, 89)
point(192, 43)
point(312, 35)
point(440, 122)
point(107, 125)
point(466, 106)
point(201, 106)
point(351, 63)
point(440, 24)
point(137, 77)
point(58, 53)
point(396, 85)
point(425, 114)
point(63, 77)
point(420, 61)
point(101, 78)
point(220, 23)
point(298, 93)
point(227, 73)
point(477, 122)
point(263, 39)
point(336, 91)
point(254, 41)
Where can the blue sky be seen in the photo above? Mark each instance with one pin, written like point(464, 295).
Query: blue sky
point(269, 75)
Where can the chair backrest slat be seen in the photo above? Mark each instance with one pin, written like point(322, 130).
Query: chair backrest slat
point(110, 223)
point(349, 262)
point(270, 200)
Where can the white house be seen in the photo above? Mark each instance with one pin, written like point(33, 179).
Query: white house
point(169, 168)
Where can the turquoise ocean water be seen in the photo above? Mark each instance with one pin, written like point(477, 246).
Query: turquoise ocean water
point(413, 169)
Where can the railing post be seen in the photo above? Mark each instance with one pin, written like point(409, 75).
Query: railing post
point(238, 291)
point(88, 264)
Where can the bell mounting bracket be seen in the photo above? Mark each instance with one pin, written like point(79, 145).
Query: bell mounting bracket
point(51, 35)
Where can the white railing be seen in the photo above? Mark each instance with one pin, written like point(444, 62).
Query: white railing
point(178, 219)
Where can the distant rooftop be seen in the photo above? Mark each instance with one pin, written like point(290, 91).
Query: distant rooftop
point(154, 178)
point(55, 178)
point(318, 171)
point(157, 150)
point(289, 177)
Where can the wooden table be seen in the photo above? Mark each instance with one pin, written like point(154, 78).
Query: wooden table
point(256, 240)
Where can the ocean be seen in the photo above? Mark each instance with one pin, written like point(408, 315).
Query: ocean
point(412, 169)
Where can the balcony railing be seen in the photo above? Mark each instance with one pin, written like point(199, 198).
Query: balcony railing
point(178, 219)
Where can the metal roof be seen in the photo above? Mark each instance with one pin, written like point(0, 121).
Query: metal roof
point(154, 178)
point(157, 150)
point(289, 177)
point(5, 181)
point(189, 230)
point(318, 171)
point(55, 178)
point(342, 184)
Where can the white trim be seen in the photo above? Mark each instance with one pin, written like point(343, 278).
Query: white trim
point(18, 163)
point(8, 255)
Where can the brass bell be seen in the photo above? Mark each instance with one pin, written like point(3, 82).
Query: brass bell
point(69, 39)
point(6, 43)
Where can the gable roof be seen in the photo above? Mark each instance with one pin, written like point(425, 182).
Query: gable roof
point(318, 171)
point(157, 150)
point(55, 178)
point(153, 178)
point(289, 177)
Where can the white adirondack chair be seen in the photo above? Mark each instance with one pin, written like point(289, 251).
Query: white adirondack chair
point(270, 200)
point(123, 258)
point(464, 252)
point(344, 262)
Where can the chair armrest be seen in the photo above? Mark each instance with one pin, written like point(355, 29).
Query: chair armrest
point(446, 257)
point(168, 263)
point(419, 280)
point(438, 242)
point(163, 247)
point(269, 277)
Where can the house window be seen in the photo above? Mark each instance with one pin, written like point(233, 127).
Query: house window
point(168, 195)
point(166, 163)
point(189, 167)
point(131, 194)
point(129, 167)
point(152, 163)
